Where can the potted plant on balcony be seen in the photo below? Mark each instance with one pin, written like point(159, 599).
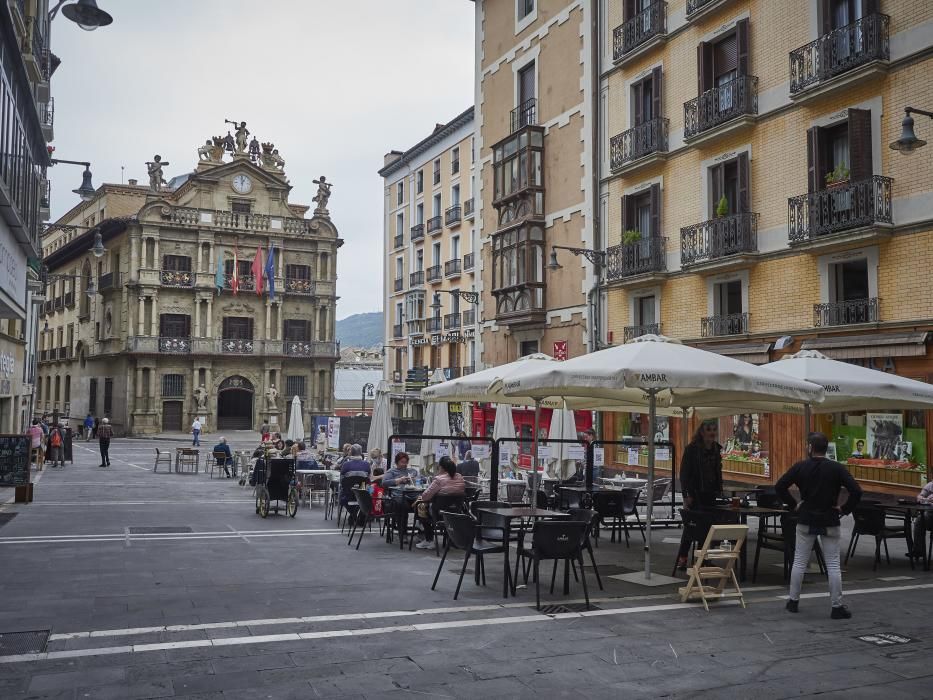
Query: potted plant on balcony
point(839, 177)
point(631, 236)
point(722, 207)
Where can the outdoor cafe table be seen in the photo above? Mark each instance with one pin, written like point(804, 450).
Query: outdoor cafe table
point(595, 488)
point(909, 510)
point(304, 475)
point(743, 512)
point(507, 514)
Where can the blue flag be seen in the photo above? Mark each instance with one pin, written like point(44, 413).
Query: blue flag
point(270, 271)
point(219, 275)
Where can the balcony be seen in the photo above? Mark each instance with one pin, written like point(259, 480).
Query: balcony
point(469, 317)
point(645, 29)
point(40, 49)
point(721, 109)
point(846, 313)
point(851, 53)
point(467, 369)
point(416, 279)
point(452, 268)
point(397, 330)
point(416, 326)
point(632, 332)
point(108, 282)
point(245, 283)
point(435, 224)
point(468, 262)
point(220, 218)
point(452, 216)
point(175, 346)
point(468, 208)
point(451, 321)
point(637, 262)
point(526, 114)
point(433, 325)
point(723, 243)
point(842, 213)
point(178, 278)
point(225, 346)
point(417, 233)
point(698, 8)
point(398, 241)
point(47, 118)
point(641, 145)
point(237, 346)
point(520, 304)
point(299, 286)
point(69, 300)
point(434, 273)
point(399, 284)
point(731, 324)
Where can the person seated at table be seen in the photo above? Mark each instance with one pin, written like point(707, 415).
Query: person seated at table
point(447, 483)
point(279, 446)
point(345, 454)
point(376, 459)
point(700, 476)
point(469, 467)
point(303, 456)
point(401, 474)
point(227, 461)
point(924, 521)
point(355, 465)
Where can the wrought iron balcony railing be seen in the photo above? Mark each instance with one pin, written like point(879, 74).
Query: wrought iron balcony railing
point(467, 369)
point(721, 104)
point(646, 24)
point(526, 114)
point(696, 5)
point(839, 207)
point(468, 261)
point(452, 216)
point(435, 224)
point(237, 346)
point(417, 232)
point(469, 317)
point(731, 324)
point(399, 284)
point(416, 326)
point(637, 142)
point(452, 268)
point(226, 346)
point(244, 283)
point(176, 278)
point(433, 273)
point(846, 313)
point(416, 279)
point(219, 218)
point(397, 330)
point(451, 321)
point(398, 241)
point(108, 281)
point(632, 332)
point(174, 345)
point(636, 258)
point(468, 208)
point(47, 112)
point(299, 285)
point(718, 238)
point(433, 324)
point(839, 51)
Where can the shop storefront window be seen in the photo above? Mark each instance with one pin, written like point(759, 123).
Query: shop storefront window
point(744, 440)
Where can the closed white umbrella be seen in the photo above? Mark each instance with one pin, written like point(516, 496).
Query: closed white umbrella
point(563, 427)
point(296, 428)
point(436, 422)
point(504, 427)
point(380, 427)
point(653, 368)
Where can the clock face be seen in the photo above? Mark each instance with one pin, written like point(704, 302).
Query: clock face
point(242, 184)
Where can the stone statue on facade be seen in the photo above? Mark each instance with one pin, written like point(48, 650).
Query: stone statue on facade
point(154, 167)
point(272, 395)
point(200, 396)
point(323, 194)
point(229, 142)
point(271, 160)
point(213, 150)
point(241, 134)
point(254, 150)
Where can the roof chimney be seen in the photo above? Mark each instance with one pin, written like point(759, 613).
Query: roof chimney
point(132, 182)
point(391, 157)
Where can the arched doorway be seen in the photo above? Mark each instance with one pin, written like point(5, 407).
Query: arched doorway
point(235, 404)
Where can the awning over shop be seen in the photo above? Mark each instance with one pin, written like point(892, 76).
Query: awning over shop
point(755, 353)
point(852, 347)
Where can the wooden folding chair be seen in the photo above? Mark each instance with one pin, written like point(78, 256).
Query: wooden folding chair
point(715, 565)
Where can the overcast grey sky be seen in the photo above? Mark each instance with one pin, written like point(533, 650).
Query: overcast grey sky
point(334, 84)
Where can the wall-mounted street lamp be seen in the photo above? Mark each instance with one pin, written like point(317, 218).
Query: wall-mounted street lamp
point(85, 13)
point(368, 389)
point(596, 257)
point(97, 250)
point(908, 142)
point(86, 190)
point(468, 297)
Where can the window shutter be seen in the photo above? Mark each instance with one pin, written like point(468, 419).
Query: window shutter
point(717, 187)
point(826, 11)
point(655, 204)
point(638, 116)
point(815, 159)
point(744, 203)
point(628, 10)
point(859, 144)
point(704, 67)
point(628, 213)
point(741, 35)
point(656, 93)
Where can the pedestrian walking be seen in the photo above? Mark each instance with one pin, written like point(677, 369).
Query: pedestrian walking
point(196, 433)
point(819, 480)
point(35, 443)
point(88, 427)
point(104, 434)
point(57, 445)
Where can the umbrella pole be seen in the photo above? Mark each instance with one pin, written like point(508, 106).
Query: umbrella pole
point(806, 426)
point(534, 457)
point(652, 425)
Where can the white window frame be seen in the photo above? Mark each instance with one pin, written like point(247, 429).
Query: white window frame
point(399, 267)
point(400, 223)
point(419, 213)
point(399, 194)
point(824, 262)
point(454, 247)
point(711, 282)
point(521, 23)
point(530, 56)
point(455, 195)
point(641, 294)
point(437, 205)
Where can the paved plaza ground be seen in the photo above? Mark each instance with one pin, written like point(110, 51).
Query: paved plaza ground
point(161, 585)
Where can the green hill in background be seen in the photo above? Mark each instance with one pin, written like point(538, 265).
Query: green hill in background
point(361, 330)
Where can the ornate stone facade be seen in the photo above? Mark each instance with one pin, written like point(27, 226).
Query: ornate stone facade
point(175, 326)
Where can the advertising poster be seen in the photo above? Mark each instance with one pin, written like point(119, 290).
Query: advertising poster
point(884, 433)
point(333, 432)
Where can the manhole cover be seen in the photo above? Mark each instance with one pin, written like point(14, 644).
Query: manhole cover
point(885, 639)
point(34, 642)
point(6, 517)
point(159, 530)
point(565, 608)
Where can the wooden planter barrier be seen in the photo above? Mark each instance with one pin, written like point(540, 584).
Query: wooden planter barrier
point(888, 475)
point(738, 466)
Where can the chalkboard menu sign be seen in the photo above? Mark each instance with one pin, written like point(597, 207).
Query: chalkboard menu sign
point(14, 460)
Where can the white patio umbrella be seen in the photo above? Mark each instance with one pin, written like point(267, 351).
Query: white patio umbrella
point(436, 422)
point(380, 427)
point(296, 428)
point(504, 427)
point(653, 367)
point(476, 387)
point(563, 427)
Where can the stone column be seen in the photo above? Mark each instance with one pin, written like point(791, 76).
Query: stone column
point(139, 384)
point(278, 321)
point(155, 316)
point(197, 318)
point(314, 267)
point(134, 258)
point(152, 388)
point(209, 319)
point(156, 260)
point(141, 319)
point(268, 317)
point(200, 255)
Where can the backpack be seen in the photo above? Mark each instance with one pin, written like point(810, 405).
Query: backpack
point(55, 438)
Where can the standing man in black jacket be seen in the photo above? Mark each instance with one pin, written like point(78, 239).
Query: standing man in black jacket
point(819, 480)
point(700, 477)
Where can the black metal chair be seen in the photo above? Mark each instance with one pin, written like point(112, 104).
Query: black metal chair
point(463, 533)
point(365, 515)
point(611, 508)
point(346, 499)
point(559, 541)
point(870, 520)
point(591, 517)
point(439, 504)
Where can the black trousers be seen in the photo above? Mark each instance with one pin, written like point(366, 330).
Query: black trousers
point(105, 451)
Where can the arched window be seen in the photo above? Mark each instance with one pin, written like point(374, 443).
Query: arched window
point(86, 283)
point(67, 388)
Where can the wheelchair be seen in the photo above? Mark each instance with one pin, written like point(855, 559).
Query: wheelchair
point(276, 482)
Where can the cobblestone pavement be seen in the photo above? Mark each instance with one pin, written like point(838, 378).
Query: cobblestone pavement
point(161, 585)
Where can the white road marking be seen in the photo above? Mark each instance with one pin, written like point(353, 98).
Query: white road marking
point(154, 537)
point(97, 504)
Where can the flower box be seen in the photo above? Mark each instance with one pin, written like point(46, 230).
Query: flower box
point(744, 466)
point(872, 470)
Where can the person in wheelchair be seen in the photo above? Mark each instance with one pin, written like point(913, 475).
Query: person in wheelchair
point(224, 456)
